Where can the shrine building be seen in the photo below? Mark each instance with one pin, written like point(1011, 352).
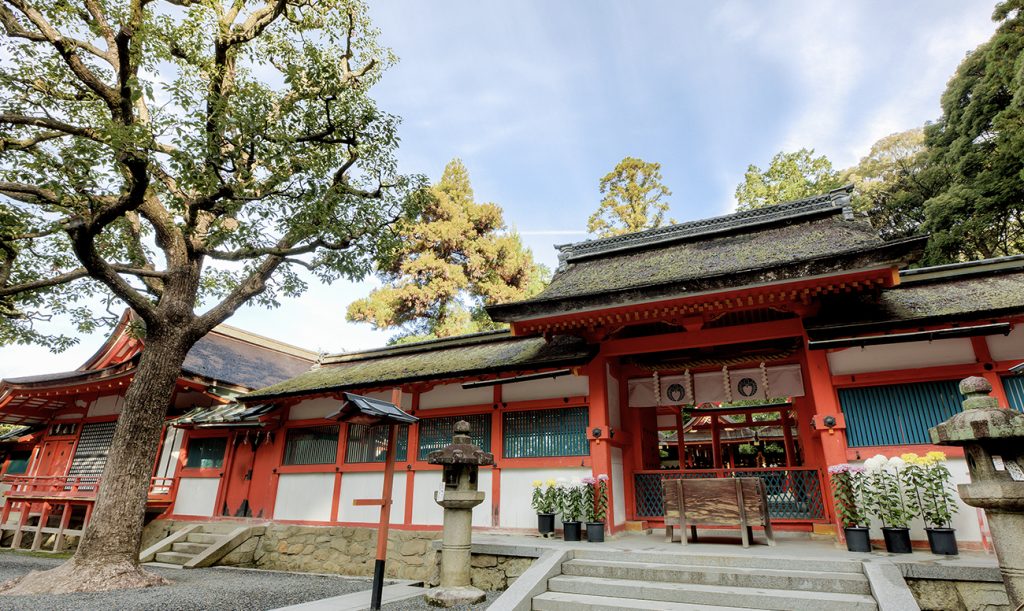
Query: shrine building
point(772, 343)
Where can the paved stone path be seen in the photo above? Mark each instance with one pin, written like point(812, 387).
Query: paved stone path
point(212, 589)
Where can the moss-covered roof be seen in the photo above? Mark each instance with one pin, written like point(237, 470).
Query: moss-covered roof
point(970, 294)
point(435, 360)
point(797, 247)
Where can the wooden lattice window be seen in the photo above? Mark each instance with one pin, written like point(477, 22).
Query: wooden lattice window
point(436, 433)
point(92, 449)
point(206, 452)
point(546, 432)
point(370, 443)
point(315, 445)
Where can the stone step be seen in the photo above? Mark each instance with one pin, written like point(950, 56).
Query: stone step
point(561, 601)
point(776, 579)
point(189, 548)
point(711, 596)
point(204, 538)
point(173, 557)
point(751, 561)
point(221, 528)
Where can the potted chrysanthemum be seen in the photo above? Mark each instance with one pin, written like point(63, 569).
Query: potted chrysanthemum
point(847, 493)
point(934, 490)
point(595, 506)
point(544, 503)
point(889, 500)
point(570, 505)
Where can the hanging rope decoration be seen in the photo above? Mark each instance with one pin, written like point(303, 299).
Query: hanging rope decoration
point(764, 380)
point(657, 389)
point(726, 384)
point(688, 384)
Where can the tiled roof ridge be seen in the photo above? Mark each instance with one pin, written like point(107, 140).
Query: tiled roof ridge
point(835, 200)
point(421, 346)
point(962, 269)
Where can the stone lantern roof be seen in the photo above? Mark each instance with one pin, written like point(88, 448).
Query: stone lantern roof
point(462, 451)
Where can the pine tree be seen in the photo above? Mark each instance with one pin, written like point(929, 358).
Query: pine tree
point(632, 200)
point(456, 256)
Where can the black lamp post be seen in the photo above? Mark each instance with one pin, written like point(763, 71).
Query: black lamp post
point(357, 409)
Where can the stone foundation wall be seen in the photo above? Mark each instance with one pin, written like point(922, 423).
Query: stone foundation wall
point(348, 550)
point(943, 595)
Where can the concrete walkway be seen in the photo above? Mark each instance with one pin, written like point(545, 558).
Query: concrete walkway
point(357, 601)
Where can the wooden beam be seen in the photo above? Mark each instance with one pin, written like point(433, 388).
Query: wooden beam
point(706, 337)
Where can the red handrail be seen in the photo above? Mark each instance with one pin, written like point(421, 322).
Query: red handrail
point(76, 486)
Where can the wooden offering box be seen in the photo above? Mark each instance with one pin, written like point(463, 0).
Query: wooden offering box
point(735, 501)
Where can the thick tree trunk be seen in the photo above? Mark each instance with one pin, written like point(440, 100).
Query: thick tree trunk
point(108, 554)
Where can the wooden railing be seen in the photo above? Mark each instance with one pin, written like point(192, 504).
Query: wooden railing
point(77, 487)
point(794, 493)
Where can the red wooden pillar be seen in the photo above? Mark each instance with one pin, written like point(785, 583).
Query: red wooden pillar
point(982, 354)
point(716, 443)
point(824, 402)
point(498, 449)
point(787, 436)
point(600, 446)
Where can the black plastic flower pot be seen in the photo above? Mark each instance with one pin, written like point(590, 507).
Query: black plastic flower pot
point(595, 532)
point(571, 531)
point(897, 540)
point(546, 523)
point(858, 538)
point(942, 541)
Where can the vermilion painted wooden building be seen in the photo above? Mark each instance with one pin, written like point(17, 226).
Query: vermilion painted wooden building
point(53, 461)
point(800, 335)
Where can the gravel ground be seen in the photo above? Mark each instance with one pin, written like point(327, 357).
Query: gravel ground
point(190, 590)
point(420, 603)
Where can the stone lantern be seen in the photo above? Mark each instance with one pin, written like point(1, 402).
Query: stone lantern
point(461, 462)
point(993, 442)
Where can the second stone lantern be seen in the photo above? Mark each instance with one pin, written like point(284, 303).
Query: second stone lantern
point(461, 462)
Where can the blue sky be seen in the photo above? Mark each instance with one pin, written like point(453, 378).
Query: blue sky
point(540, 99)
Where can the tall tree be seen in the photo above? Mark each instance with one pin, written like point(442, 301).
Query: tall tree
point(893, 181)
point(789, 176)
point(980, 141)
point(632, 200)
point(184, 157)
point(456, 257)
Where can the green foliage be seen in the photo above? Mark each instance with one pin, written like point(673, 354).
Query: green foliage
point(979, 142)
point(545, 496)
point(888, 490)
point(789, 176)
point(847, 490)
point(456, 256)
point(893, 182)
point(595, 498)
point(632, 199)
point(181, 155)
point(570, 502)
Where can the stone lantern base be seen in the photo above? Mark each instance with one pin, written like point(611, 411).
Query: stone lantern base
point(449, 597)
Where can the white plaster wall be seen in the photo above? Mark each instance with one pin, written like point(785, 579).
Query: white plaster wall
point(196, 496)
point(911, 355)
point(614, 409)
point(369, 486)
point(385, 395)
point(106, 406)
point(517, 492)
point(453, 395)
point(1007, 347)
point(551, 388)
point(618, 487)
point(426, 511)
point(965, 521)
point(168, 462)
point(314, 408)
point(304, 496)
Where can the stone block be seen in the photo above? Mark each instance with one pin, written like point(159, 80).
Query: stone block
point(483, 560)
point(414, 547)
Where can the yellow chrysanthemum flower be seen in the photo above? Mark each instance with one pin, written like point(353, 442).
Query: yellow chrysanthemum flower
point(551, 482)
point(935, 456)
point(537, 483)
point(910, 457)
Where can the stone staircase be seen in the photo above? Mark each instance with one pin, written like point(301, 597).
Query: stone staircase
point(199, 545)
point(595, 580)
